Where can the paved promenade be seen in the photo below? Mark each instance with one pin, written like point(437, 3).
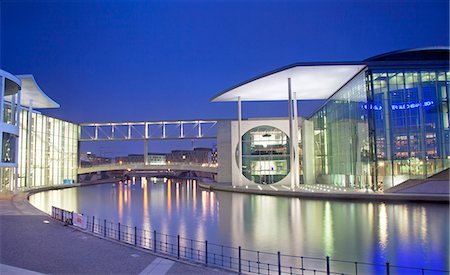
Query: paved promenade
point(32, 243)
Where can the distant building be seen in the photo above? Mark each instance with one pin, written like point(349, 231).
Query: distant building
point(89, 159)
point(152, 158)
point(198, 155)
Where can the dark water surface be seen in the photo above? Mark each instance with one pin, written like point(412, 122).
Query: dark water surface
point(409, 234)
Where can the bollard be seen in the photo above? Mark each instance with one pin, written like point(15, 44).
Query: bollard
point(71, 218)
point(239, 260)
point(135, 236)
point(104, 228)
point(154, 240)
point(328, 265)
point(279, 263)
point(178, 245)
point(387, 269)
point(93, 222)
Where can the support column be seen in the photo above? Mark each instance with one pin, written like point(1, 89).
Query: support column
point(239, 140)
point(146, 151)
point(29, 126)
point(291, 135)
point(295, 143)
point(16, 176)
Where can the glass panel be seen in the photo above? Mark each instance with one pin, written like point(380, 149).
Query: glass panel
point(265, 155)
point(341, 137)
point(411, 125)
point(8, 148)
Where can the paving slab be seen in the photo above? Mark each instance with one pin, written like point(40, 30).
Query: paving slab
point(29, 243)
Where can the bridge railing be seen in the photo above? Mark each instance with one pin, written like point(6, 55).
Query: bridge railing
point(131, 164)
point(227, 257)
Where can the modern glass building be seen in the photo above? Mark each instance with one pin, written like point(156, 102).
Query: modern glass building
point(385, 120)
point(37, 150)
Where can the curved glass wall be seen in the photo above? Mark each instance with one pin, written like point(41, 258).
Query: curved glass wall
point(265, 155)
point(341, 138)
point(53, 153)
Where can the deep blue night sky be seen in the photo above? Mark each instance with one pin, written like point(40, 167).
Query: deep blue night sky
point(123, 60)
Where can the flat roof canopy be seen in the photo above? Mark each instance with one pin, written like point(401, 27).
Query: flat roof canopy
point(32, 93)
point(308, 81)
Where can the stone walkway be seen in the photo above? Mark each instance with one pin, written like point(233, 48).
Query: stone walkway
point(30, 241)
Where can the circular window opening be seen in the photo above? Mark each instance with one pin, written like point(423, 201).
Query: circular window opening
point(265, 155)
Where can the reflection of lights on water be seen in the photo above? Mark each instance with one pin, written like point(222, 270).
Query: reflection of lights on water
point(423, 224)
point(383, 226)
point(205, 200)
point(194, 194)
point(146, 220)
point(177, 195)
point(143, 182)
point(120, 202)
point(212, 203)
point(328, 230)
point(169, 198)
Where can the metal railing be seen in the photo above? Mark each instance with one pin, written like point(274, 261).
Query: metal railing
point(236, 259)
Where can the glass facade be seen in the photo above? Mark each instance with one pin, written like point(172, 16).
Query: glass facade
point(265, 155)
point(383, 128)
point(411, 124)
point(9, 96)
point(341, 137)
point(53, 151)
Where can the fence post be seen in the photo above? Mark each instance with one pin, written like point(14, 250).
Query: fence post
point(239, 260)
point(257, 254)
point(135, 236)
point(93, 223)
point(206, 252)
point(154, 240)
point(104, 228)
point(279, 263)
point(303, 270)
point(178, 245)
point(387, 269)
point(118, 231)
point(328, 265)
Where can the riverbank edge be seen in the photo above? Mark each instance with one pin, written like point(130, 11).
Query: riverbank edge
point(25, 195)
point(385, 197)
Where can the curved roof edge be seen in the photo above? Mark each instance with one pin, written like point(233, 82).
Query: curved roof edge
point(11, 77)
point(425, 53)
point(32, 94)
point(306, 65)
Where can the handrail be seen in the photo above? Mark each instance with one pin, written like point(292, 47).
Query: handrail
point(227, 257)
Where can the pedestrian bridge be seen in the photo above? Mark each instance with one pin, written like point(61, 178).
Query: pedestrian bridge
point(140, 167)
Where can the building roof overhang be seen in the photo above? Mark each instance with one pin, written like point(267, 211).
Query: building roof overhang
point(310, 81)
point(31, 94)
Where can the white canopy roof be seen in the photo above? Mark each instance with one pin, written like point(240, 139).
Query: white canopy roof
point(31, 93)
point(308, 80)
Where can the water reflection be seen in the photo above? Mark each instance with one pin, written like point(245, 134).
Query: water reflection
point(403, 234)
